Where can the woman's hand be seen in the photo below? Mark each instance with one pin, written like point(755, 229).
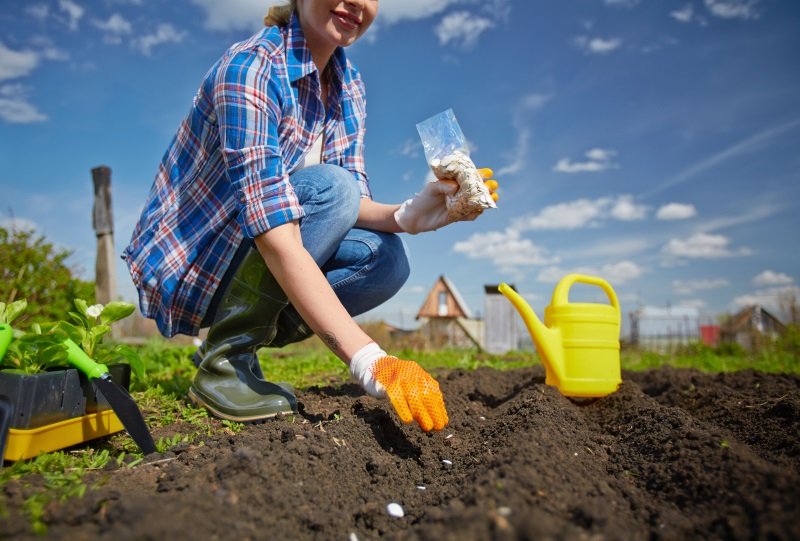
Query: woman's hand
point(414, 394)
point(427, 210)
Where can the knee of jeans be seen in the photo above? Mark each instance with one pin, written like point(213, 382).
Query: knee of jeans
point(342, 189)
point(392, 261)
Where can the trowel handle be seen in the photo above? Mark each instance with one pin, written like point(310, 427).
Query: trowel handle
point(6, 334)
point(561, 293)
point(80, 360)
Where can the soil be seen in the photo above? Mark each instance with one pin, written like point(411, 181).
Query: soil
point(674, 454)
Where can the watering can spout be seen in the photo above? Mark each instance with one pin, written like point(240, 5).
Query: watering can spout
point(547, 340)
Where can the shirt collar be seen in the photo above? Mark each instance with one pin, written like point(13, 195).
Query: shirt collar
point(299, 62)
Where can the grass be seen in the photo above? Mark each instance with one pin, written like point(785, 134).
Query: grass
point(169, 371)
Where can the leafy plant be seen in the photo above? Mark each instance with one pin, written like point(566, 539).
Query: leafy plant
point(31, 352)
point(36, 350)
point(92, 324)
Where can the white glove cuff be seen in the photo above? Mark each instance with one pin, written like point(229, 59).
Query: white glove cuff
point(404, 219)
point(361, 369)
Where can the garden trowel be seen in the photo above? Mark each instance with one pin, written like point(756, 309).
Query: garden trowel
point(121, 402)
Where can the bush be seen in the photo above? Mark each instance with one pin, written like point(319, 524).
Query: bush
point(32, 268)
point(730, 349)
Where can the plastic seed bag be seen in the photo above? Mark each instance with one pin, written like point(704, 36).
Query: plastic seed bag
point(447, 154)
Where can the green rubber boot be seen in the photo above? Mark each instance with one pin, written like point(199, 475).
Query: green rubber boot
point(290, 329)
point(229, 382)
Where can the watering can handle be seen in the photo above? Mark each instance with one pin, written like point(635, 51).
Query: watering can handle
point(561, 293)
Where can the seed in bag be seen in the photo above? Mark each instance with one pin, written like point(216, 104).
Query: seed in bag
point(447, 154)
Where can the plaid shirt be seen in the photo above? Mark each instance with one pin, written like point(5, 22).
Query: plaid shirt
point(225, 175)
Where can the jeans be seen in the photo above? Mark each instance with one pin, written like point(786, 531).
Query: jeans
point(365, 268)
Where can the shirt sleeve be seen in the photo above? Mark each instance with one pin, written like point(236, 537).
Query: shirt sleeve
point(247, 105)
point(355, 119)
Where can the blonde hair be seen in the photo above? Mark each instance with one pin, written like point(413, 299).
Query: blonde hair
point(280, 15)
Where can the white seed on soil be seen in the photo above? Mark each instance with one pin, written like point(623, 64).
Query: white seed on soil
point(448, 436)
point(482, 418)
point(395, 510)
point(447, 462)
point(352, 537)
point(421, 487)
point(504, 511)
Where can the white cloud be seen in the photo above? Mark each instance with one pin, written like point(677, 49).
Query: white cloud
point(622, 3)
point(703, 246)
point(15, 107)
point(598, 159)
point(73, 11)
point(687, 287)
point(392, 11)
point(597, 45)
point(614, 273)
point(626, 210)
point(51, 53)
point(772, 297)
point(683, 15)
point(249, 14)
point(14, 64)
point(748, 145)
point(733, 9)
point(115, 27)
point(528, 104)
point(165, 33)
point(415, 290)
point(461, 29)
point(676, 211)
point(697, 304)
point(754, 214)
point(505, 249)
point(608, 247)
point(38, 11)
point(234, 14)
point(619, 273)
point(770, 278)
point(581, 213)
point(571, 215)
point(19, 224)
point(410, 148)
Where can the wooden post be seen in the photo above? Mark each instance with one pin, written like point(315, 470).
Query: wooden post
point(105, 288)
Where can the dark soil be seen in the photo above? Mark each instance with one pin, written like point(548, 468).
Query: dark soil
point(674, 454)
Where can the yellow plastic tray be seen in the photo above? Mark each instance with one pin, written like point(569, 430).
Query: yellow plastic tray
point(22, 444)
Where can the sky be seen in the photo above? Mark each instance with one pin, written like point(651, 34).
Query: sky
point(655, 144)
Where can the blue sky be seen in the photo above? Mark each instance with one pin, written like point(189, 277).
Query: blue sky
point(652, 143)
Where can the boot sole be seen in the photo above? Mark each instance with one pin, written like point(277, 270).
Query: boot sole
point(228, 417)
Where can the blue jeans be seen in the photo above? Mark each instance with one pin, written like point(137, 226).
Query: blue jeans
point(365, 268)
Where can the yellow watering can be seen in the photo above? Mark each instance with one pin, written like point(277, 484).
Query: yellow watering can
point(578, 342)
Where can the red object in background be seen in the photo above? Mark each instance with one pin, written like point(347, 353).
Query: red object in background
point(709, 334)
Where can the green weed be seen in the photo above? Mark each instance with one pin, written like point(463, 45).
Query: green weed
point(60, 475)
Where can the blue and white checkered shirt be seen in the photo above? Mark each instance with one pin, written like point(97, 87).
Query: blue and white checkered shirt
point(225, 175)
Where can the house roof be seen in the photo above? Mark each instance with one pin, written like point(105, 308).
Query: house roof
point(454, 294)
point(457, 296)
point(743, 320)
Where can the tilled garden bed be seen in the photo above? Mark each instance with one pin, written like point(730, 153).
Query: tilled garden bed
point(674, 454)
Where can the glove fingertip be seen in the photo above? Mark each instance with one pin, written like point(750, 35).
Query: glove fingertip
point(400, 406)
point(425, 421)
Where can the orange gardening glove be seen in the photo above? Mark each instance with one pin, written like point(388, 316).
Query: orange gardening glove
point(414, 394)
point(487, 174)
